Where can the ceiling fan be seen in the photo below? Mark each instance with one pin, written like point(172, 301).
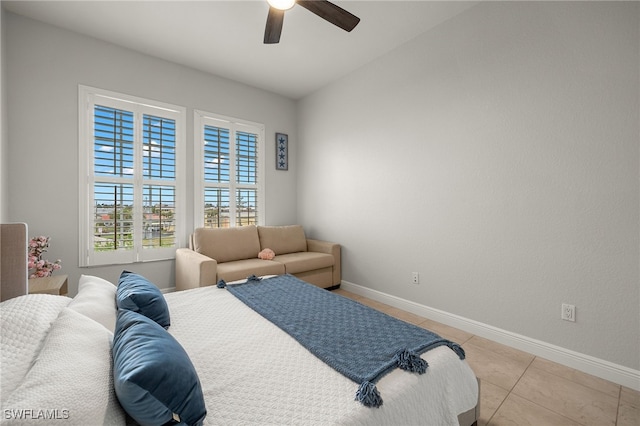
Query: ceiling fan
point(323, 8)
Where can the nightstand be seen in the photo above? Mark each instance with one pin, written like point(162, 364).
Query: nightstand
point(55, 284)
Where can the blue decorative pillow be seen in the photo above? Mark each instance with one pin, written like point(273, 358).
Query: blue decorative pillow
point(136, 293)
point(153, 376)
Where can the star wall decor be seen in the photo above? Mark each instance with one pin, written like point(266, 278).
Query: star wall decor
point(282, 151)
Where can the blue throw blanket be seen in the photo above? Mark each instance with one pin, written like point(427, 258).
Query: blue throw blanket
point(361, 343)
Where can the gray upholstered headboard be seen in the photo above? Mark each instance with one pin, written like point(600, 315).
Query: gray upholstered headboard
point(14, 279)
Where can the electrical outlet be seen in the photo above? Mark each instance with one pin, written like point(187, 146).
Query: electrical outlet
point(568, 312)
point(415, 278)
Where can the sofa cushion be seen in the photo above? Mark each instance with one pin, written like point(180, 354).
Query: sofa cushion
point(241, 269)
point(227, 244)
point(282, 239)
point(304, 261)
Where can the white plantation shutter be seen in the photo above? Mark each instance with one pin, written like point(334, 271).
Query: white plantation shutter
point(229, 187)
point(132, 190)
point(246, 178)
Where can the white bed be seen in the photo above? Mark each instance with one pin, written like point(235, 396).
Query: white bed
point(56, 361)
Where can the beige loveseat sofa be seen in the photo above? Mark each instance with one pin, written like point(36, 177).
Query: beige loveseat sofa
point(232, 254)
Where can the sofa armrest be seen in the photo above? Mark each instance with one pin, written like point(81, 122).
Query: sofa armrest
point(333, 249)
point(321, 246)
point(194, 269)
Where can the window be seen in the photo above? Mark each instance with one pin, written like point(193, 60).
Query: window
point(229, 184)
point(131, 184)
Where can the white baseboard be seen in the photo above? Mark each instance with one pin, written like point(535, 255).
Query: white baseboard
point(168, 290)
point(597, 367)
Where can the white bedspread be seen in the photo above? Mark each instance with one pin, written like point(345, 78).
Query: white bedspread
point(254, 373)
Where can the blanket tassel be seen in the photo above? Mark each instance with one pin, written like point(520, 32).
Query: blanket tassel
point(368, 395)
point(253, 277)
point(221, 284)
point(410, 361)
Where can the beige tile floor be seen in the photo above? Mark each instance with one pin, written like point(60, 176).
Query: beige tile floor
point(518, 388)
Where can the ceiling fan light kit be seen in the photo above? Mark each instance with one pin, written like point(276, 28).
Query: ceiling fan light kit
point(282, 4)
point(322, 8)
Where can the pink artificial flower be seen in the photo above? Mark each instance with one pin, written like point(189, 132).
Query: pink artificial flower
point(37, 266)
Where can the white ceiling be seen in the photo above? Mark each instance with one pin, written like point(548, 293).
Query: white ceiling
point(225, 37)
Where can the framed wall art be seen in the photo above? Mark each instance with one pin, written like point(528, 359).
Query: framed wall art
point(282, 151)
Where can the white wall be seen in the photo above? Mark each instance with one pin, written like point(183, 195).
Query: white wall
point(45, 65)
point(3, 126)
point(497, 155)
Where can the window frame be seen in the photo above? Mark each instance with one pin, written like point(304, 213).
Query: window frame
point(88, 98)
point(202, 118)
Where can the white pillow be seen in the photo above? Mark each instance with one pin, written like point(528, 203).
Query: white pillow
point(96, 299)
point(71, 379)
point(26, 320)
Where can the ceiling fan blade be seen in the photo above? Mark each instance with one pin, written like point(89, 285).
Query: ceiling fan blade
point(330, 12)
point(273, 29)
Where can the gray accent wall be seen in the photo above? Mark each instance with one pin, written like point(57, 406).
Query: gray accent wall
point(45, 65)
point(498, 156)
point(4, 138)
